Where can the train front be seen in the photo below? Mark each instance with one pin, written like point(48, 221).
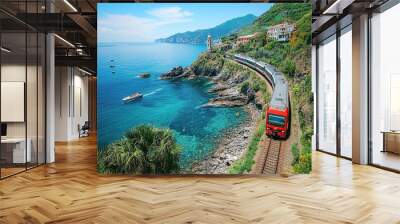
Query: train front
point(277, 123)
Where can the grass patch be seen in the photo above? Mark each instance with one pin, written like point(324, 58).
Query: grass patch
point(301, 162)
point(245, 163)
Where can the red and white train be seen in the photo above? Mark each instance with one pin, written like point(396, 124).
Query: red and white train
point(278, 111)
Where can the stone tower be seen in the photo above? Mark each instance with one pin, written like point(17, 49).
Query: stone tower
point(209, 43)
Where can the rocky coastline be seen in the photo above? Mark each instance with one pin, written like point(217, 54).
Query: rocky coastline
point(231, 146)
point(178, 72)
point(227, 92)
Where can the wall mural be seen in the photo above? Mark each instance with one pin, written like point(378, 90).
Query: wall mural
point(186, 89)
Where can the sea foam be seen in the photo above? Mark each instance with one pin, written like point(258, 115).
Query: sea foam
point(153, 92)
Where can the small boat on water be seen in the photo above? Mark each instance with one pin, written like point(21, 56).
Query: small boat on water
point(132, 97)
point(144, 75)
point(112, 66)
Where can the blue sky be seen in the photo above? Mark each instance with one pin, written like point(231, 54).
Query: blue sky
point(145, 22)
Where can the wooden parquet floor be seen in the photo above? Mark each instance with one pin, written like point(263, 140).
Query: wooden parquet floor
point(70, 191)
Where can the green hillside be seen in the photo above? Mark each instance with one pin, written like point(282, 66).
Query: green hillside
point(217, 32)
point(278, 13)
point(293, 58)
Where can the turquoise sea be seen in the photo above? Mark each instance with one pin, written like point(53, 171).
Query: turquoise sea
point(172, 104)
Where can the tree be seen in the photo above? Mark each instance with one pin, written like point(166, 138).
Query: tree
point(142, 150)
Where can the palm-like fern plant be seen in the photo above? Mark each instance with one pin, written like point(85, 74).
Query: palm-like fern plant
point(142, 150)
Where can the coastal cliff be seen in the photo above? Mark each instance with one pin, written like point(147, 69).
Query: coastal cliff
point(234, 85)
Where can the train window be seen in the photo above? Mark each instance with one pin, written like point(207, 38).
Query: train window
point(276, 120)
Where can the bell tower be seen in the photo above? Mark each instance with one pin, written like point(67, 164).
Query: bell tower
point(209, 43)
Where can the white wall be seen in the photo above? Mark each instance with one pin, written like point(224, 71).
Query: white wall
point(80, 112)
point(71, 102)
point(62, 82)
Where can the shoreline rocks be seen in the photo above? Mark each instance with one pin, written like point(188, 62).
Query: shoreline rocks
point(178, 72)
point(218, 87)
point(227, 101)
point(226, 95)
point(231, 146)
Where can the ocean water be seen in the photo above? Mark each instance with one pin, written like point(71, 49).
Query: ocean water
point(165, 103)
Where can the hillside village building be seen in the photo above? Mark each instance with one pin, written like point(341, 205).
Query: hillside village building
point(244, 39)
point(281, 32)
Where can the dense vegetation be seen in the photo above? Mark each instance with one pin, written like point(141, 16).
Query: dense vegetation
point(200, 36)
point(278, 13)
point(208, 64)
point(142, 150)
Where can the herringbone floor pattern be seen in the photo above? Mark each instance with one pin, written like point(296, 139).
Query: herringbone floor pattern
point(70, 191)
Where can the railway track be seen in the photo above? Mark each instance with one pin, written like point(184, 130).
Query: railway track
point(269, 160)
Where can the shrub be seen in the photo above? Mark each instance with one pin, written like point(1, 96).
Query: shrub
point(306, 136)
point(208, 64)
point(301, 162)
point(289, 67)
point(257, 85)
point(264, 109)
point(142, 150)
point(295, 154)
point(244, 87)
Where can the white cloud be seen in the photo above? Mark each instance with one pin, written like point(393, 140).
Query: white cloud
point(170, 13)
point(124, 28)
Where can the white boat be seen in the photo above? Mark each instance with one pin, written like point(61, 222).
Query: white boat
point(132, 97)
